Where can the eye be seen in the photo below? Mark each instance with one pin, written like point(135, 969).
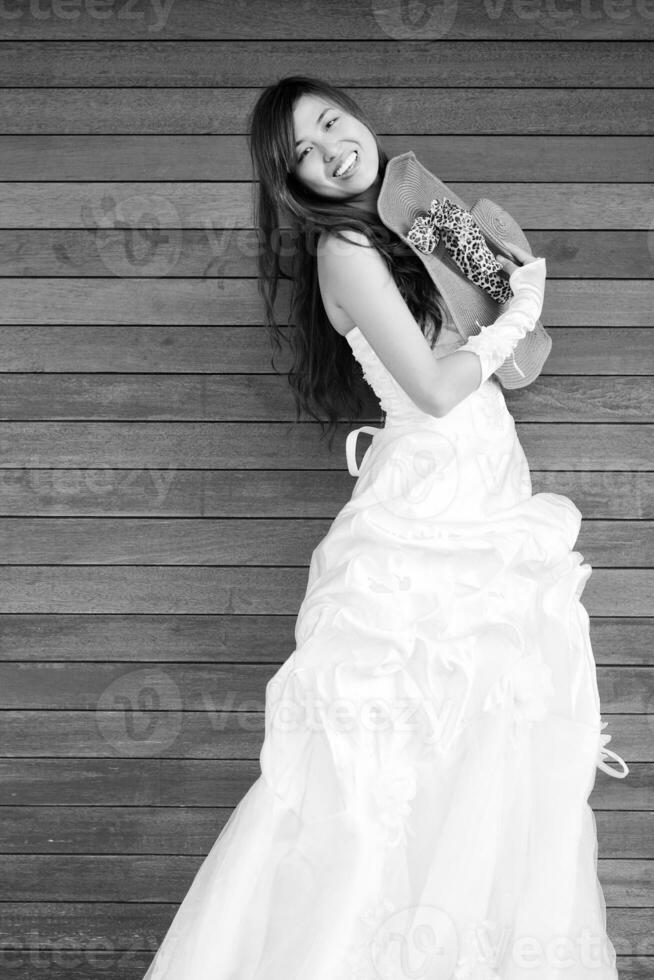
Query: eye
point(327, 125)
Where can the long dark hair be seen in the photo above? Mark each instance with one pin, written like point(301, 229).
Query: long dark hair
point(325, 377)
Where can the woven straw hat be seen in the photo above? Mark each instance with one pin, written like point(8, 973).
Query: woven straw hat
point(407, 190)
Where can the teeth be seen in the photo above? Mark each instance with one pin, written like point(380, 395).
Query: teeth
point(347, 165)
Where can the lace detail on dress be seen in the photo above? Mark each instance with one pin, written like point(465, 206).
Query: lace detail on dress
point(393, 399)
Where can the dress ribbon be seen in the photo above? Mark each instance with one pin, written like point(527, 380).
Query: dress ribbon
point(351, 447)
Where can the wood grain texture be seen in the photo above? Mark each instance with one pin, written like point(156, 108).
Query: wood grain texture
point(59, 300)
point(576, 351)
point(158, 504)
point(132, 963)
point(141, 878)
point(169, 727)
point(473, 109)
point(228, 638)
point(185, 398)
point(243, 541)
point(185, 830)
point(217, 253)
point(158, 782)
point(150, 492)
point(286, 445)
point(211, 157)
point(193, 687)
point(240, 589)
point(214, 206)
point(112, 927)
point(245, 64)
point(339, 21)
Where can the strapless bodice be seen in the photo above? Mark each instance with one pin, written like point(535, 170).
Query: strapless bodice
point(395, 402)
point(402, 414)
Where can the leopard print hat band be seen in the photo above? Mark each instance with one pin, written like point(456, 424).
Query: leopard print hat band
point(465, 286)
point(465, 243)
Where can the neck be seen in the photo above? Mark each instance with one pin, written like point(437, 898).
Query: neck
point(368, 199)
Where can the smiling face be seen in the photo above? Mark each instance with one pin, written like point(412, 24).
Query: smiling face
point(328, 137)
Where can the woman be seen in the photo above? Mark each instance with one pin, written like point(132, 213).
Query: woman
point(432, 741)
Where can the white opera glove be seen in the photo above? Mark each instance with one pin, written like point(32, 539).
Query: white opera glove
point(498, 340)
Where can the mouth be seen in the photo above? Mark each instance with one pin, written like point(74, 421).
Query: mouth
point(347, 166)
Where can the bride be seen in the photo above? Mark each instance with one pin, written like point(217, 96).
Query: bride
point(432, 741)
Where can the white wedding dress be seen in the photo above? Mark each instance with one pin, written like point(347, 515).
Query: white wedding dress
point(431, 743)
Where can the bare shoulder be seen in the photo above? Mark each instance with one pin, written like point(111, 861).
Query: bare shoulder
point(342, 266)
point(347, 242)
point(346, 259)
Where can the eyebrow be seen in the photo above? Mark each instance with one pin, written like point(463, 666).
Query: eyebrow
point(326, 109)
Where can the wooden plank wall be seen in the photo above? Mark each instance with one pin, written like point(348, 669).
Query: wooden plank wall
point(159, 506)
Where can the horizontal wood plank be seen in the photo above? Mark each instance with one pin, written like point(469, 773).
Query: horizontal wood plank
point(202, 782)
point(472, 109)
point(193, 830)
point(583, 302)
point(583, 352)
point(563, 63)
point(224, 252)
point(154, 878)
point(138, 692)
point(132, 964)
point(212, 157)
point(206, 589)
point(166, 638)
point(151, 493)
point(279, 445)
point(297, 20)
point(223, 212)
point(113, 927)
point(247, 541)
point(185, 397)
point(214, 734)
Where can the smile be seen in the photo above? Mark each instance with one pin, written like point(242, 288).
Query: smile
point(347, 165)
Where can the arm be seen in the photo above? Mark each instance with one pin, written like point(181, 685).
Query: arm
point(367, 292)
point(365, 289)
point(497, 340)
